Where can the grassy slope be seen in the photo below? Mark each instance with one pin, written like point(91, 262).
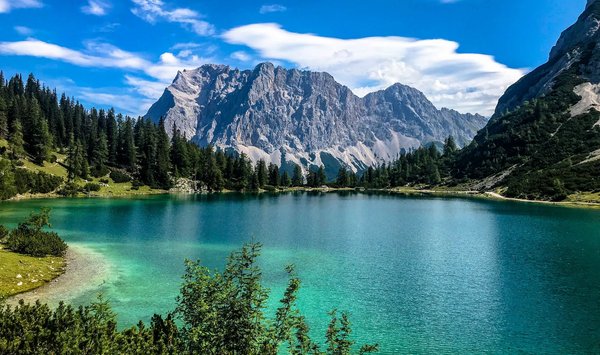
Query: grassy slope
point(34, 272)
point(112, 190)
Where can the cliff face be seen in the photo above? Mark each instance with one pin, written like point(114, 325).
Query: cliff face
point(575, 47)
point(291, 116)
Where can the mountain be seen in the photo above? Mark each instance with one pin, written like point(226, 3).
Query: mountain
point(544, 138)
point(292, 116)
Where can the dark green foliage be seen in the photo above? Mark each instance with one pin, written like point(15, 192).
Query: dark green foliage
point(424, 165)
point(7, 180)
point(91, 186)
point(542, 145)
point(224, 312)
point(274, 179)
point(262, 173)
point(30, 238)
point(297, 178)
point(37, 329)
point(3, 233)
point(39, 182)
point(119, 176)
point(70, 189)
point(220, 313)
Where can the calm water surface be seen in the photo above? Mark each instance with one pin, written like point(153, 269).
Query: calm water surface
point(418, 275)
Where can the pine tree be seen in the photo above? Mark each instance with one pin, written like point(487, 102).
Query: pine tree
point(321, 178)
point(100, 155)
point(163, 163)
point(261, 173)
point(450, 147)
point(7, 180)
point(274, 175)
point(39, 135)
point(285, 180)
point(17, 143)
point(297, 178)
point(127, 149)
point(3, 117)
point(112, 136)
point(342, 178)
point(77, 165)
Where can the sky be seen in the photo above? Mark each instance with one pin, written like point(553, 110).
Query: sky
point(462, 54)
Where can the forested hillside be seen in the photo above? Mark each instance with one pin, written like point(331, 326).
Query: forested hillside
point(38, 126)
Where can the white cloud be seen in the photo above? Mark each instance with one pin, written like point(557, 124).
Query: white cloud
point(96, 7)
point(241, 56)
point(465, 82)
point(103, 55)
point(22, 30)
point(154, 10)
point(8, 5)
point(266, 9)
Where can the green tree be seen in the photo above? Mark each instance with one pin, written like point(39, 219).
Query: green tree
point(100, 156)
point(17, 143)
point(321, 178)
point(3, 118)
point(297, 178)
point(163, 163)
point(7, 180)
point(274, 179)
point(343, 179)
point(40, 139)
point(286, 181)
point(262, 173)
point(224, 312)
point(450, 147)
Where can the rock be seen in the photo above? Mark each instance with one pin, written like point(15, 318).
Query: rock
point(19, 276)
point(575, 47)
point(291, 116)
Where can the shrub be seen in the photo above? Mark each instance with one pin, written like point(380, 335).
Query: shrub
point(135, 185)
point(219, 313)
point(30, 238)
point(69, 190)
point(119, 176)
point(91, 186)
point(40, 182)
point(3, 233)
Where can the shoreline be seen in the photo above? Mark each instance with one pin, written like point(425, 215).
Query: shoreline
point(490, 195)
point(85, 270)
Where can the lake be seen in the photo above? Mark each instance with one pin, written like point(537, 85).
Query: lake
point(418, 275)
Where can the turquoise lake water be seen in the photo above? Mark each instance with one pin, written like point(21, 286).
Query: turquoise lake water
point(418, 275)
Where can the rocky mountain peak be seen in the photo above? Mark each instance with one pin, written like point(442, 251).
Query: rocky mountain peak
point(576, 47)
point(307, 118)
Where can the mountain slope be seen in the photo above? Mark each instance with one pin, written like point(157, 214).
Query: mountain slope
point(292, 116)
point(544, 140)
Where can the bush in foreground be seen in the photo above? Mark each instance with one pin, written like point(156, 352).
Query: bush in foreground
point(30, 238)
point(219, 313)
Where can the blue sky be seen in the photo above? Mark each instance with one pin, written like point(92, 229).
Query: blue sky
point(461, 53)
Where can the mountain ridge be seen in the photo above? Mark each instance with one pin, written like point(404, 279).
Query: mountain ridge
point(296, 116)
point(543, 142)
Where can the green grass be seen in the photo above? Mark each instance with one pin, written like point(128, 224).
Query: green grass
point(584, 197)
point(123, 189)
point(48, 168)
point(33, 272)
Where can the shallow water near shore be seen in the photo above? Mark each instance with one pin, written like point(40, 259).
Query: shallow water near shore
point(418, 274)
